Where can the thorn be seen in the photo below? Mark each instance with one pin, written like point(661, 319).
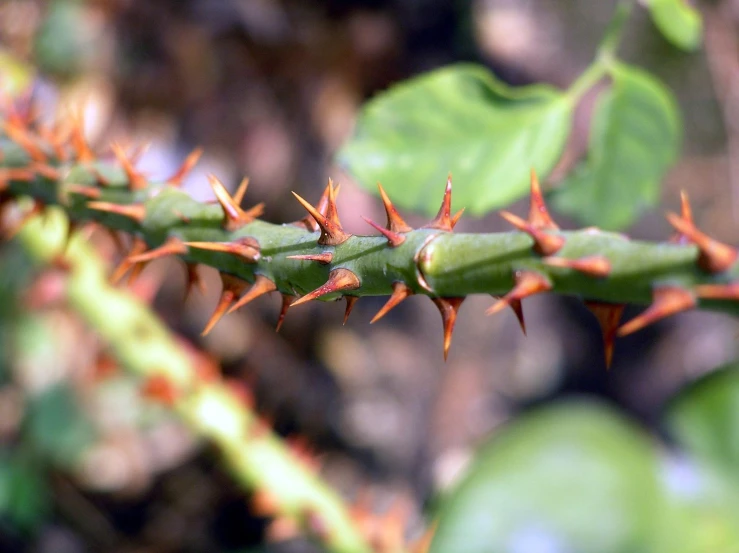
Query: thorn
point(609, 317)
point(718, 291)
point(714, 256)
point(232, 288)
point(350, 301)
point(87, 191)
point(77, 138)
point(25, 140)
point(287, 299)
point(308, 221)
point(46, 171)
point(400, 292)
point(262, 285)
point(686, 213)
point(517, 307)
point(247, 248)
point(457, 217)
point(136, 181)
point(539, 217)
point(193, 279)
point(338, 280)
point(8, 175)
point(331, 232)
point(443, 219)
point(241, 191)
point(173, 246)
point(448, 307)
point(55, 141)
point(191, 160)
point(323, 258)
point(527, 284)
point(136, 212)
point(666, 300)
point(160, 388)
point(394, 239)
point(395, 222)
point(544, 244)
point(138, 246)
point(234, 216)
point(594, 265)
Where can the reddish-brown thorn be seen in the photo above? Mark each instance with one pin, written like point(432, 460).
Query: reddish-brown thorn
point(718, 291)
point(544, 243)
point(77, 137)
point(234, 216)
point(539, 217)
point(457, 217)
point(400, 292)
point(350, 301)
point(666, 300)
point(308, 221)
point(136, 212)
point(173, 246)
point(287, 299)
point(190, 161)
point(232, 288)
point(193, 279)
point(241, 191)
point(46, 171)
point(517, 308)
point(394, 239)
point(331, 232)
point(138, 246)
point(527, 284)
point(247, 248)
point(395, 222)
point(87, 191)
point(56, 142)
point(136, 181)
point(448, 307)
point(609, 317)
point(338, 281)
point(594, 265)
point(323, 258)
point(8, 175)
point(443, 219)
point(262, 285)
point(21, 137)
point(714, 256)
point(159, 387)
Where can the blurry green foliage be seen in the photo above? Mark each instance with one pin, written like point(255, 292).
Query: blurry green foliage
point(24, 496)
point(678, 21)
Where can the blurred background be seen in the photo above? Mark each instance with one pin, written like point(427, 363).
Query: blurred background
point(271, 89)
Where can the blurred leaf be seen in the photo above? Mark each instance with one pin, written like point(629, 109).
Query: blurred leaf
point(572, 479)
point(57, 426)
point(64, 42)
point(701, 510)
point(704, 419)
point(462, 120)
point(16, 77)
point(634, 138)
point(24, 498)
point(678, 21)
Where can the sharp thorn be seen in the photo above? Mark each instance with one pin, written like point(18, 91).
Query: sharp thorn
point(395, 222)
point(609, 317)
point(173, 246)
point(448, 307)
point(443, 219)
point(527, 284)
point(338, 280)
point(539, 217)
point(323, 258)
point(241, 191)
point(517, 308)
point(287, 299)
point(666, 300)
point(400, 292)
point(595, 265)
point(191, 160)
point(193, 279)
point(331, 232)
point(136, 212)
point(262, 285)
point(136, 181)
point(247, 248)
point(77, 138)
point(350, 301)
point(232, 287)
point(718, 291)
point(23, 138)
point(89, 192)
point(234, 216)
point(544, 243)
point(457, 216)
point(394, 239)
point(138, 246)
point(714, 256)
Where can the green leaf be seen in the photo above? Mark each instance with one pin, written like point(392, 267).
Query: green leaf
point(678, 22)
point(458, 119)
point(24, 495)
point(634, 138)
point(704, 419)
point(575, 479)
